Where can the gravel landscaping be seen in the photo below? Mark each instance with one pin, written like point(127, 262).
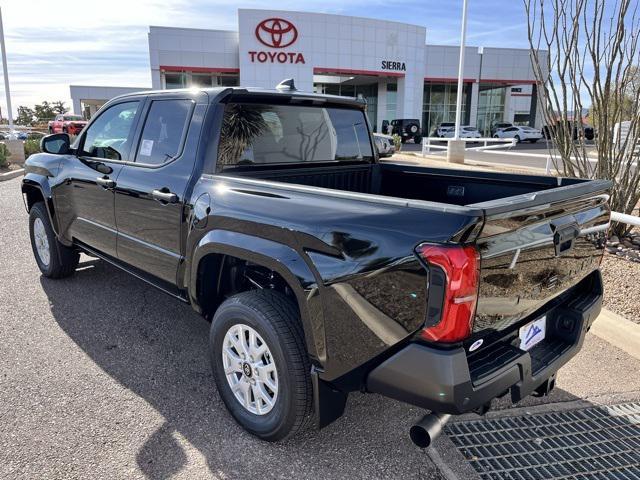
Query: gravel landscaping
point(622, 286)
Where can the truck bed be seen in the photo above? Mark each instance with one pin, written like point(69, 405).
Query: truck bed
point(538, 236)
point(449, 186)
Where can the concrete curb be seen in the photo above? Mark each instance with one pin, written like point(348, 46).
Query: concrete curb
point(11, 174)
point(618, 331)
point(450, 462)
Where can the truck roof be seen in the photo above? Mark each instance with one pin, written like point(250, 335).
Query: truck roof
point(214, 92)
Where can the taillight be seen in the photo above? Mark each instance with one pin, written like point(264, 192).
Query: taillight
point(453, 291)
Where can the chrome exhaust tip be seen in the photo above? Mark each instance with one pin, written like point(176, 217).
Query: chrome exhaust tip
point(425, 432)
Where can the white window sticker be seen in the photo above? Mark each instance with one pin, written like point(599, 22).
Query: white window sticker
point(146, 147)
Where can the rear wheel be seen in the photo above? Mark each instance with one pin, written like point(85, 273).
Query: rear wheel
point(533, 140)
point(417, 139)
point(53, 258)
point(260, 363)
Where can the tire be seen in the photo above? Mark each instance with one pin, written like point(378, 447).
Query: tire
point(517, 137)
point(50, 130)
point(496, 136)
point(64, 130)
point(60, 261)
point(412, 128)
point(417, 139)
point(276, 321)
point(533, 140)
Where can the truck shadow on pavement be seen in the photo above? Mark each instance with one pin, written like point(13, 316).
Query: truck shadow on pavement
point(156, 347)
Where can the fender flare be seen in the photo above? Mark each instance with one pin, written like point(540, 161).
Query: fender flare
point(279, 257)
point(40, 182)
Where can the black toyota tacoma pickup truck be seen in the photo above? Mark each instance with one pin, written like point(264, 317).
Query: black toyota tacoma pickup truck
point(322, 270)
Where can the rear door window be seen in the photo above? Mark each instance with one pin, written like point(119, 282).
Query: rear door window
point(272, 134)
point(164, 131)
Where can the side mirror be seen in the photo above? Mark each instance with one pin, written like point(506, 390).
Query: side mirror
point(57, 143)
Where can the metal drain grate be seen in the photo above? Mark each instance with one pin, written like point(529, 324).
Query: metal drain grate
point(586, 444)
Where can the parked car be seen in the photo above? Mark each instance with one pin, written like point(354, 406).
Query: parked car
point(521, 134)
point(587, 130)
point(499, 126)
point(408, 129)
point(443, 129)
point(321, 270)
point(385, 145)
point(71, 124)
point(466, 131)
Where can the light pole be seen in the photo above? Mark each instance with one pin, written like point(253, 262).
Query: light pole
point(463, 36)
point(6, 75)
point(455, 146)
point(481, 53)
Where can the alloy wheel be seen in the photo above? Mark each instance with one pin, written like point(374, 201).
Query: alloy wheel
point(250, 369)
point(41, 241)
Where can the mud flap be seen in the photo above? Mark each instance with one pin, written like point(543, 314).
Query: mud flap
point(328, 402)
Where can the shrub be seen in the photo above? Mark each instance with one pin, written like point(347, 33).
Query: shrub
point(31, 146)
point(4, 154)
point(397, 142)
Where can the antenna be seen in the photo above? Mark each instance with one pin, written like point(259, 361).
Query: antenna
point(286, 84)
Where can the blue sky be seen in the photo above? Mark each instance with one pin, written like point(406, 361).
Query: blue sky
point(104, 42)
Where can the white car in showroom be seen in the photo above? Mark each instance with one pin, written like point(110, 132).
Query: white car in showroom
point(521, 134)
point(466, 131)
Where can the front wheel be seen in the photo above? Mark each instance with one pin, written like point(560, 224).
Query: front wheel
point(260, 363)
point(53, 258)
point(517, 137)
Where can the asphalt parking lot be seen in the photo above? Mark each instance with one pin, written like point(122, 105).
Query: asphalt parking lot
point(105, 377)
point(102, 376)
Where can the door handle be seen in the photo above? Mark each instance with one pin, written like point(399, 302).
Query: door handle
point(106, 182)
point(164, 196)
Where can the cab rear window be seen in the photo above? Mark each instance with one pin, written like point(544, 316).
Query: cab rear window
point(272, 134)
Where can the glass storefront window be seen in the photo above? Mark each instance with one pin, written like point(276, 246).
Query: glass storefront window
point(228, 81)
point(490, 107)
point(175, 80)
point(392, 101)
point(201, 80)
point(439, 105)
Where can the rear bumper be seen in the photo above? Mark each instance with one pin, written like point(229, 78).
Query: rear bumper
point(448, 381)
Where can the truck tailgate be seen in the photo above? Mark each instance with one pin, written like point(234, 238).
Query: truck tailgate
point(533, 247)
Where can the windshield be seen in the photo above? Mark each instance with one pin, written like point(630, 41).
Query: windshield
point(73, 117)
point(271, 134)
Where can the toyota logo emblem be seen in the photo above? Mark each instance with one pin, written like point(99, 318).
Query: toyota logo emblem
point(276, 33)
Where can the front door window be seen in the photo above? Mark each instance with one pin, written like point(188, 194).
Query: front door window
point(110, 136)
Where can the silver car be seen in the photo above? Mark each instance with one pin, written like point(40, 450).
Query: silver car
point(384, 144)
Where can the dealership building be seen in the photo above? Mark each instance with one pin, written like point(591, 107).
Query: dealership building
point(388, 63)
